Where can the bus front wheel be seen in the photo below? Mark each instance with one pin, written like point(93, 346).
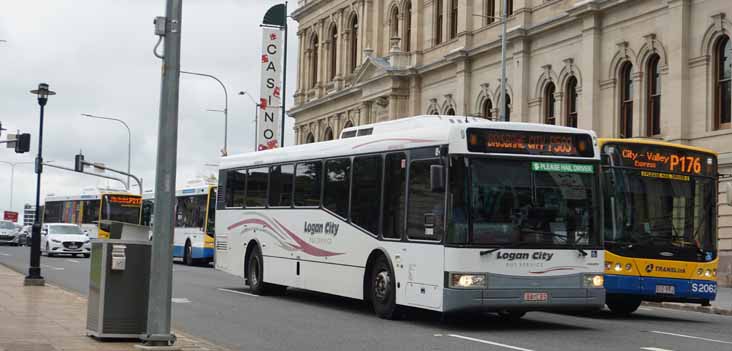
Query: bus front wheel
point(255, 276)
point(188, 254)
point(622, 305)
point(383, 290)
point(511, 315)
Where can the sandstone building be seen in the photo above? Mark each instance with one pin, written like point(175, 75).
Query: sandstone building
point(625, 68)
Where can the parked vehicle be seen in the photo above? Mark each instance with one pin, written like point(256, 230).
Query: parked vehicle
point(63, 238)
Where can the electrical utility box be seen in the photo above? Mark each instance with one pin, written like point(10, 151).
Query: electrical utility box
point(119, 279)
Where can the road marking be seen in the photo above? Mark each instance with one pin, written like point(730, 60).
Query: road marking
point(52, 267)
point(180, 300)
point(654, 349)
point(692, 337)
point(4, 254)
point(645, 309)
point(237, 292)
point(74, 261)
point(489, 342)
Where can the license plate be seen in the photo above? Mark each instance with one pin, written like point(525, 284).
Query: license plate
point(534, 296)
point(665, 289)
point(73, 247)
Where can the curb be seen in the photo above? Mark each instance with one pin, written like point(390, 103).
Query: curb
point(688, 307)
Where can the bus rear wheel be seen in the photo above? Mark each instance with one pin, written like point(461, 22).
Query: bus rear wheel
point(188, 254)
point(622, 305)
point(383, 290)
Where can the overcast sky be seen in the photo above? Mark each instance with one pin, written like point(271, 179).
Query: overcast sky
point(97, 56)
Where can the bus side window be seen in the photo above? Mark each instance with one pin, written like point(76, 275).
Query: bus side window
point(257, 187)
point(280, 185)
point(395, 178)
point(308, 182)
point(236, 182)
point(366, 192)
point(337, 184)
point(425, 214)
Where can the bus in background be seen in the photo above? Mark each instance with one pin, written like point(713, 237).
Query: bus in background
point(91, 207)
point(660, 223)
point(435, 212)
point(195, 210)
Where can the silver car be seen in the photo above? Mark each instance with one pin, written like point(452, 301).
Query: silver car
point(8, 233)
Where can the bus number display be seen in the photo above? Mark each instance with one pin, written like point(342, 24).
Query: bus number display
point(529, 143)
point(663, 159)
point(125, 200)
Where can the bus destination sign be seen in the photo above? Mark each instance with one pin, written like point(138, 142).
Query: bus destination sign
point(125, 200)
point(529, 143)
point(657, 158)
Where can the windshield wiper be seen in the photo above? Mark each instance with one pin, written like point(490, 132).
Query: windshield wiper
point(555, 235)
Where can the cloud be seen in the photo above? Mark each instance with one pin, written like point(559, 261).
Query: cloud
point(97, 55)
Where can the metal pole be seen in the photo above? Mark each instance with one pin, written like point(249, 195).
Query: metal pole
point(12, 178)
point(503, 61)
point(129, 141)
point(256, 125)
point(34, 271)
point(226, 107)
point(284, 83)
point(161, 270)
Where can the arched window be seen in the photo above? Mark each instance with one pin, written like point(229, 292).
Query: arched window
point(487, 109)
point(394, 22)
point(509, 7)
point(653, 115)
point(549, 117)
point(314, 61)
point(310, 139)
point(453, 19)
point(571, 98)
point(438, 21)
point(354, 43)
point(328, 135)
point(626, 100)
point(507, 106)
point(490, 11)
point(450, 112)
point(349, 124)
point(333, 52)
point(723, 91)
point(408, 27)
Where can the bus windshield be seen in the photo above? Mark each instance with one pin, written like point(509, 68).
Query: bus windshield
point(662, 211)
point(532, 204)
point(122, 208)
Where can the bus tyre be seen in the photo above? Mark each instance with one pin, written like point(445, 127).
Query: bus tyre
point(383, 289)
point(622, 305)
point(188, 254)
point(511, 315)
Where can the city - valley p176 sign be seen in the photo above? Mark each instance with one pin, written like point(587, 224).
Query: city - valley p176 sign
point(270, 103)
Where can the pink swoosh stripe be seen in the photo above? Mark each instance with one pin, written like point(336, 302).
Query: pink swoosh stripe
point(307, 248)
point(556, 269)
point(395, 139)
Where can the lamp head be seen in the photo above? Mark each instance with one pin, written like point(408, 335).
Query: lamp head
point(43, 93)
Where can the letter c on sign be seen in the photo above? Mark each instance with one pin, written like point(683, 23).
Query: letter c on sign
point(271, 49)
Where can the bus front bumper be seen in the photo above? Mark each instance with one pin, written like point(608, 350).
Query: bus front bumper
point(514, 299)
point(657, 289)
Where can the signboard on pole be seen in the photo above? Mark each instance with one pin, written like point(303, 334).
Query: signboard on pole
point(269, 112)
point(11, 216)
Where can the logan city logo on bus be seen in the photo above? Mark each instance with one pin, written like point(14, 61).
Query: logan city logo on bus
point(513, 256)
point(327, 228)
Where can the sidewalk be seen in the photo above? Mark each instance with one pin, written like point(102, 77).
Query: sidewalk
point(51, 319)
point(721, 305)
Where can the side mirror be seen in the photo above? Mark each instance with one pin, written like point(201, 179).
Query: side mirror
point(728, 193)
point(437, 178)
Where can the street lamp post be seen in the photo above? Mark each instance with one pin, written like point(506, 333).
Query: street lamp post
point(12, 177)
point(226, 107)
point(256, 110)
point(129, 141)
point(504, 19)
point(34, 271)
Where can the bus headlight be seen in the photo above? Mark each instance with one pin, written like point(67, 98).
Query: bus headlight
point(628, 266)
point(708, 273)
point(700, 271)
point(593, 281)
point(714, 272)
point(468, 281)
point(608, 265)
point(618, 267)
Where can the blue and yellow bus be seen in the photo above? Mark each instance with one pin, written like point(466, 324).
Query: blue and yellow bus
point(660, 208)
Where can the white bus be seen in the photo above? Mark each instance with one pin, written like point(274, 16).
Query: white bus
point(193, 240)
point(437, 212)
point(90, 207)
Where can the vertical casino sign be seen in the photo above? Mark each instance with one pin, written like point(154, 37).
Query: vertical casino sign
point(270, 109)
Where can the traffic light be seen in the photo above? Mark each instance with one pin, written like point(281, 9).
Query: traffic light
point(79, 163)
point(22, 143)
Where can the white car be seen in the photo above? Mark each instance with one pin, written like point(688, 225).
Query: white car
point(8, 233)
point(63, 238)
